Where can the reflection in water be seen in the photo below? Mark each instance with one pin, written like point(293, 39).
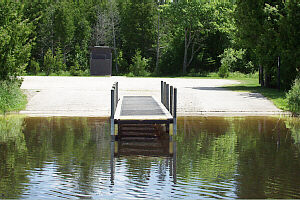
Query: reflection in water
point(163, 148)
point(214, 157)
point(13, 149)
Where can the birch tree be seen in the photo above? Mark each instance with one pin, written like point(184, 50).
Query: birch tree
point(194, 22)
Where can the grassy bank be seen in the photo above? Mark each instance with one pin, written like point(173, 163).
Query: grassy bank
point(250, 83)
point(278, 97)
point(11, 97)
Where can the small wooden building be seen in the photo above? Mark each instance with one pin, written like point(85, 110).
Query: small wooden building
point(101, 61)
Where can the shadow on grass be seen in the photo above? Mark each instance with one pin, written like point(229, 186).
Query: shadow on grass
point(275, 95)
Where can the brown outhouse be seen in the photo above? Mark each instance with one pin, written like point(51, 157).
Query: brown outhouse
point(101, 61)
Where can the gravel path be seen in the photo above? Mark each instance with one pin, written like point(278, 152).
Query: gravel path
point(90, 96)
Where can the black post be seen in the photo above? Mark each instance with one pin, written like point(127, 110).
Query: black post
point(112, 162)
point(117, 92)
point(171, 100)
point(167, 97)
point(164, 102)
point(112, 103)
point(161, 91)
point(112, 113)
point(175, 104)
point(114, 95)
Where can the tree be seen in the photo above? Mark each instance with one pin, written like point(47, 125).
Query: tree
point(269, 30)
point(137, 28)
point(64, 26)
point(289, 26)
point(192, 21)
point(15, 43)
point(49, 62)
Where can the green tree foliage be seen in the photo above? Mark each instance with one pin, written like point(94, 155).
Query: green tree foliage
point(59, 61)
point(139, 65)
point(49, 62)
point(11, 96)
point(15, 44)
point(289, 42)
point(293, 97)
point(178, 37)
point(199, 35)
point(270, 29)
point(234, 61)
point(137, 28)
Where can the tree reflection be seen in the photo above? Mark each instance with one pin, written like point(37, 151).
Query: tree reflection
point(210, 153)
point(268, 162)
point(72, 145)
point(13, 159)
point(257, 157)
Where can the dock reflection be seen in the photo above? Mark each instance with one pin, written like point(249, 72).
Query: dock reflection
point(164, 148)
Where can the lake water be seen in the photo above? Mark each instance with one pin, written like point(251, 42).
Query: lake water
point(212, 157)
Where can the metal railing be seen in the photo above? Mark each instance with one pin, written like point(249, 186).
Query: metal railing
point(169, 98)
point(114, 99)
point(113, 106)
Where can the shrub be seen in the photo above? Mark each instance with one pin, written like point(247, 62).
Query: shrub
point(59, 64)
point(34, 67)
point(122, 63)
point(11, 96)
point(293, 98)
point(139, 64)
point(223, 71)
point(76, 71)
point(234, 60)
point(49, 62)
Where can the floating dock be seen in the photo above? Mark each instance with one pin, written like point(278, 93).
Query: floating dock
point(143, 118)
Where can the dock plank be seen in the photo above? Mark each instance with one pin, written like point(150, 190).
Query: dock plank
point(141, 108)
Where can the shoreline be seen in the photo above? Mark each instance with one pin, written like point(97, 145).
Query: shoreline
point(90, 96)
point(179, 115)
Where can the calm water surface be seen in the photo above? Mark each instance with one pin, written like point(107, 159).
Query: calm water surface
point(248, 157)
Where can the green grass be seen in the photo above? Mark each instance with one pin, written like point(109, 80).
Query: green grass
point(11, 97)
point(278, 97)
point(250, 83)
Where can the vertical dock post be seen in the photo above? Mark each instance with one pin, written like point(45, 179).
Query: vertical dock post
point(115, 96)
point(174, 163)
point(171, 100)
point(117, 92)
point(175, 112)
point(112, 113)
point(167, 97)
point(164, 102)
point(161, 91)
point(112, 162)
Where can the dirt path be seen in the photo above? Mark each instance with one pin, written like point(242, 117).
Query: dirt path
point(90, 96)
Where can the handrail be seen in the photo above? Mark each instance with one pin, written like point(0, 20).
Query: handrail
point(114, 99)
point(169, 98)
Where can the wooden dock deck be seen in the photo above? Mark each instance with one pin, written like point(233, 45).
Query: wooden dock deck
point(139, 108)
point(132, 115)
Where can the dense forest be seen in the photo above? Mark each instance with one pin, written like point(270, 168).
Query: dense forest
point(165, 38)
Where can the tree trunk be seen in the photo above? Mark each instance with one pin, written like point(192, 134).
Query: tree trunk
point(157, 45)
point(185, 53)
point(267, 80)
point(278, 74)
point(262, 76)
point(115, 48)
point(114, 37)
